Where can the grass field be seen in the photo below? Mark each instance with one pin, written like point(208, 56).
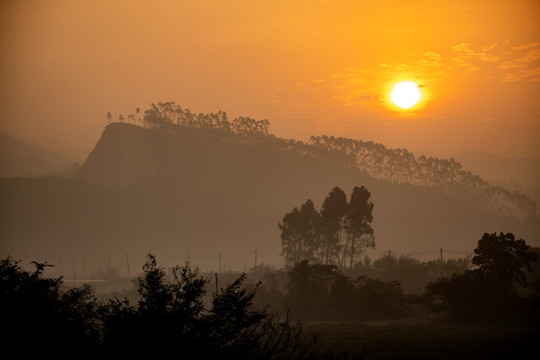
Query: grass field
point(426, 340)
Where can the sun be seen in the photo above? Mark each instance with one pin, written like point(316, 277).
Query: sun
point(405, 94)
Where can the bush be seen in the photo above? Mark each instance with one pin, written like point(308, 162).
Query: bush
point(39, 317)
point(323, 292)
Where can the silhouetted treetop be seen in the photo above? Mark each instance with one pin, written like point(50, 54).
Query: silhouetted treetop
point(169, 116)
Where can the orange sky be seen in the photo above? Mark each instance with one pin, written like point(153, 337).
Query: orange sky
point(309, 67)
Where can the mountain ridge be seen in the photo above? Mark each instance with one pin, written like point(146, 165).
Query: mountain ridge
point(216, 192)
point(393, 165)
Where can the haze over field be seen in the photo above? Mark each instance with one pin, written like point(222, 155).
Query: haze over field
point(202, 185)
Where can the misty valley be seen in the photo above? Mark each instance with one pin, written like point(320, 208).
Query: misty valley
point(212, 238)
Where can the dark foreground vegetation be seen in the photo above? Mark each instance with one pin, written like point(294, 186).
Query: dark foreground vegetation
point(40, 317)
point(483, 311)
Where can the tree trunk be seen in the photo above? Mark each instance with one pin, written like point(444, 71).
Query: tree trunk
point(352, 249)
point(343, 261)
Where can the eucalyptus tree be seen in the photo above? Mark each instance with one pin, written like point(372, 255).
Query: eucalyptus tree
point(333, 216)
point(360, 234)
point(299, 236)
point(341, 230)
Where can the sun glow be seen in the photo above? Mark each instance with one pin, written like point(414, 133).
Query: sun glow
point(405, 94)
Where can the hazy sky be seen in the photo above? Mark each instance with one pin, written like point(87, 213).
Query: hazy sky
point(309, 67)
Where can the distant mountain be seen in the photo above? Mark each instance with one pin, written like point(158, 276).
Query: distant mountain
point(514, 174)
point(202, 185)
point(524, 171)
point(18, 158)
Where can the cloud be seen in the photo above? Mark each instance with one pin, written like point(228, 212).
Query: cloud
point(534, 74)
point(430, 60)
point(527, 46)
point(510, 77)
point(354, 85)
point(395, 68)
point(522, 63)
point(499, 60)
point(469, 60)
point(430, 67)
point(360, 85)
point(463, 65)
point(486, 54)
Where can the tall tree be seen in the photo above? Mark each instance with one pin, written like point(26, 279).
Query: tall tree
point(299, 236)
point(339, 231)
point(310, 229)
point(333, 212)
point(358, 223)
point(290, 236)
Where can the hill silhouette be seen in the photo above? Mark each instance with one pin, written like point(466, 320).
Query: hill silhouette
point(18, 158)
point(190, 189)
point(512, 173)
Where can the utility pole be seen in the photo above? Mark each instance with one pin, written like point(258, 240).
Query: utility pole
point(59, 265)
point(217, 289)
point(440, 266)
point(220, 263)
point(127, 261)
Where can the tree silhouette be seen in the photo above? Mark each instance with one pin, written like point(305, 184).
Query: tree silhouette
point(300, 238)
point(333, 212)
point(488, 293)
point(328, 236)
point(504, 258)
point(358, 223)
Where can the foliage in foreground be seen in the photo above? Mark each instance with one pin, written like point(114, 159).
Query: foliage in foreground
point(40, 316)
